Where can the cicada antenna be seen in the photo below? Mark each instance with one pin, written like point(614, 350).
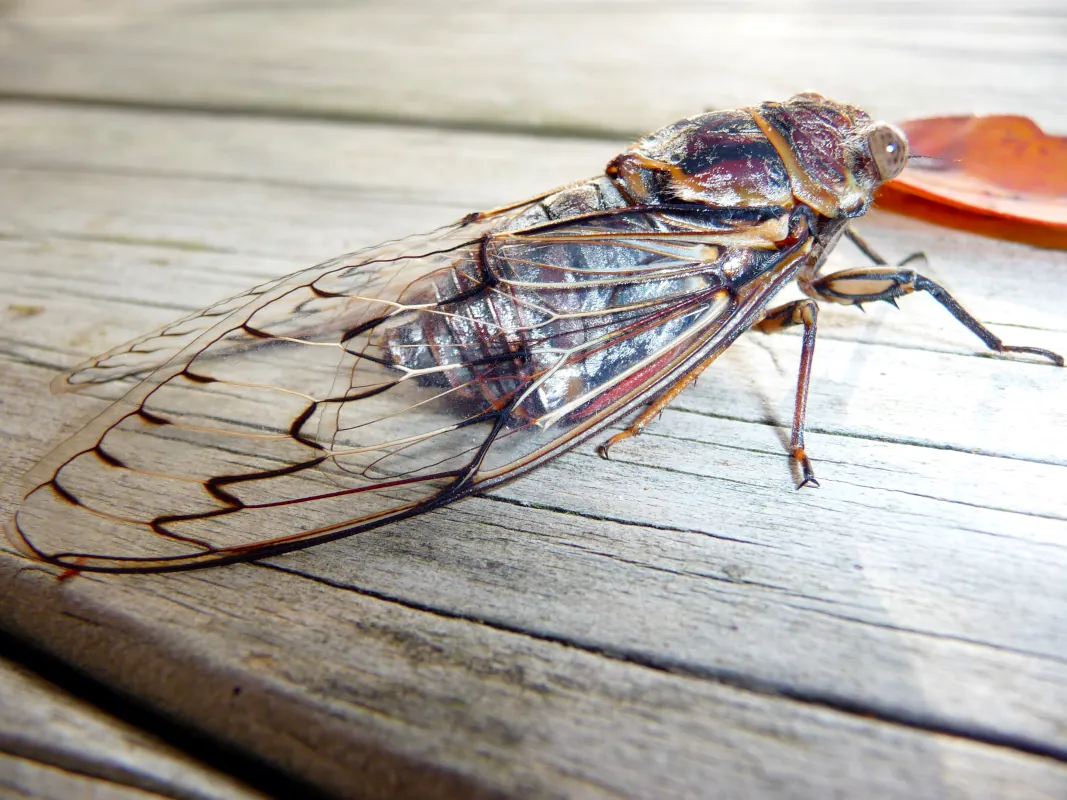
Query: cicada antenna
point(920, 161)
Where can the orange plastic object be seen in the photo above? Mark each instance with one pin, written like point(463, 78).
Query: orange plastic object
point(999, 176)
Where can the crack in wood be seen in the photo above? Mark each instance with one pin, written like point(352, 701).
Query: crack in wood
point(245, 109)
point(541, 506)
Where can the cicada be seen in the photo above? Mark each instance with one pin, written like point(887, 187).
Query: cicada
point(391, 381)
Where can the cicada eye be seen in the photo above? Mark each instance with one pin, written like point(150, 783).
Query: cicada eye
point(889, 147)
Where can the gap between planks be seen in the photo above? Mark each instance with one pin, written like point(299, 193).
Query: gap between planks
point(238, 109)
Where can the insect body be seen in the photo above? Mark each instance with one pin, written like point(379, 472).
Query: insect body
point(389, 382)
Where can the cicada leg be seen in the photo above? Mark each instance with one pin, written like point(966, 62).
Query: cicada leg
point(887, 283)
point(800, 312)
point(806, 313)
point(656, 407)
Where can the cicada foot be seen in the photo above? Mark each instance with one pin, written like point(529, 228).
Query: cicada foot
point(622, 436)
point(806, 472)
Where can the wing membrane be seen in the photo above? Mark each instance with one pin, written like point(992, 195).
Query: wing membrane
point(380, 385)
point(138, 358)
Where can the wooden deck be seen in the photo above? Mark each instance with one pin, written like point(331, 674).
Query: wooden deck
point(677, 622)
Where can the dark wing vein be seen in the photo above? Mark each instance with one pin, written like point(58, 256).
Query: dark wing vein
point(374, 387)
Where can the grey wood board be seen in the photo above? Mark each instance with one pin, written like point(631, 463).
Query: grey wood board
point(593, 67)
point(54, 745)
point(920, 586)
point(354, 692)
point(21, 777)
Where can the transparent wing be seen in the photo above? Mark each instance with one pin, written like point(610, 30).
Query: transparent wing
point(378, 386)
point(138, 358)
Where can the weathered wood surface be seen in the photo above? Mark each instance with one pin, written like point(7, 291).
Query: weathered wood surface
point(921, 586)
point(598, 66)
point(676, 621)
point(53, 745)
point(35, 781)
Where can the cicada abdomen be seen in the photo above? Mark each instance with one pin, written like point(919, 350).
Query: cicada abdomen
point(533, 314)
point(389, 382)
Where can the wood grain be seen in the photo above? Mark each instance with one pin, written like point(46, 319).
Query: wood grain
point(675, 619)
point(374, 687)
point(592, 67)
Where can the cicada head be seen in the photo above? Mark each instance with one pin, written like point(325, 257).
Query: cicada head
point(809, 149)
point(835, 154)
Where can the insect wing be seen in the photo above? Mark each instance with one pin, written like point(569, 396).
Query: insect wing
point(133, 361)
point(224, 393)
point(372, 388)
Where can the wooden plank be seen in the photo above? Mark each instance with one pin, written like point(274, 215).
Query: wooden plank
point(370, 696)
point(53, 745)
point(593, 67)
point(303, 191)
point(672, 620)
point(23, 778)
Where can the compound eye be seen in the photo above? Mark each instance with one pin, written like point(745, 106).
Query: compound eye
point(889, 147)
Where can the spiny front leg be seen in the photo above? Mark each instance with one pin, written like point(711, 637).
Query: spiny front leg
point(887, 283)
point(806, 313)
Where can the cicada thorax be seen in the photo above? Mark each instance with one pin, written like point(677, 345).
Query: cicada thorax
point(807, 150)
point(722, 159)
